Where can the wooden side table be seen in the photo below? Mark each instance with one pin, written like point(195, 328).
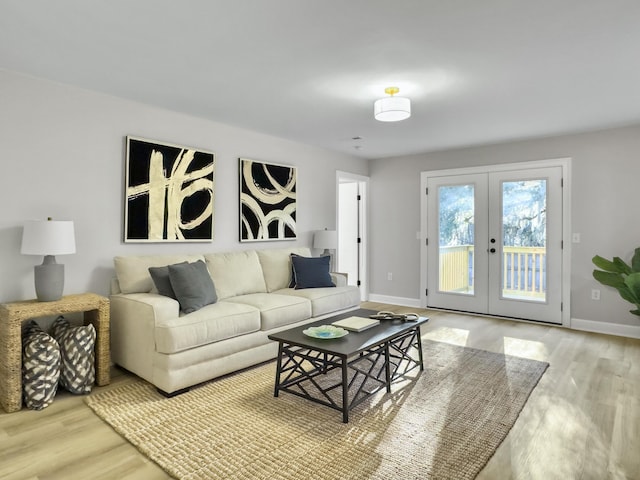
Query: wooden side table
point(96, 312)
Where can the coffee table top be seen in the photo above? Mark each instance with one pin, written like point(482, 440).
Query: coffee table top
point(351, 344)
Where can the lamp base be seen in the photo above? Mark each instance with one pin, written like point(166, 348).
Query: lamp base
point(327, 253)
point(49, 279)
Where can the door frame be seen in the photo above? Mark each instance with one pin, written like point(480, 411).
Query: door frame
point(363, 226)
point(564, 163)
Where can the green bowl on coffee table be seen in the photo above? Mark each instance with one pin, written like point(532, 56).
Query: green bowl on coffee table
point(325, 332)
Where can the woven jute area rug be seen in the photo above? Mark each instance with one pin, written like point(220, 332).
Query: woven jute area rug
point(445, 424)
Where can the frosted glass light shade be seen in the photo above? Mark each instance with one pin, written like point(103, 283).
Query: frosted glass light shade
point(48, 237)
point(392, 109)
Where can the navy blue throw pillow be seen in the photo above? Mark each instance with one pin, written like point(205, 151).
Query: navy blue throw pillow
point(311, 272)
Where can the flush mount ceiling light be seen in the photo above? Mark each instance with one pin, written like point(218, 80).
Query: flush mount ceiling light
point(392, 109)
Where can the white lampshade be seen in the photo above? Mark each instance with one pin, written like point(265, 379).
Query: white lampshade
point(325, 239)
point(48, 237)
point(392, 109)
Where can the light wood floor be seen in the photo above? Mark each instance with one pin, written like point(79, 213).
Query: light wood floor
point(581, 422)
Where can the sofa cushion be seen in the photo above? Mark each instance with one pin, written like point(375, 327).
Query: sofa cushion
point(276, 265)
point(311, 272)
point(326, 300)
point(276, 310)
point(236, 273)
point(133, 271)
point(212, 323)
point(160, 277)
point(192, 285)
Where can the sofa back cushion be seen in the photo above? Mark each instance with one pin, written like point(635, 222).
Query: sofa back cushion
point(276, 265)
point(236, 273)
point(133, 271)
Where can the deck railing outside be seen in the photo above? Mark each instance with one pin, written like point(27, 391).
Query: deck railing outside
point(523, 270)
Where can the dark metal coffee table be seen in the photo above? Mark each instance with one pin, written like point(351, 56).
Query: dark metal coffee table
point(362, 362)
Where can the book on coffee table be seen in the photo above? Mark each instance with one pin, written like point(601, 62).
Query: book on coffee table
point(356, 324)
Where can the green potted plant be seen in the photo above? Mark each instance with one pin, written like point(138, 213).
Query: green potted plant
point(621, 276)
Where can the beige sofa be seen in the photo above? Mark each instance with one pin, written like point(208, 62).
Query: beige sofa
point(174, 351)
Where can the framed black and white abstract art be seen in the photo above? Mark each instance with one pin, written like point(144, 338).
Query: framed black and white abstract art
point(267, 201)
point(169, 193)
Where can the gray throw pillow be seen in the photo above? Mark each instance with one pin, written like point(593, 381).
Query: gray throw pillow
point(160, 277)
point(292, 282)
point(192, 285)
point(311, 272)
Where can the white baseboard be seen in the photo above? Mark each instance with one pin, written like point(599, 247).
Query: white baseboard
point(619, 329)
point(402, 301)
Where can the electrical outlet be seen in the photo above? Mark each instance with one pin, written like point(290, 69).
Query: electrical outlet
point(389, 276)
point(595, 294)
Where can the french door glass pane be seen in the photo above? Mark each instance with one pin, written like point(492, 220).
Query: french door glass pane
point(524, 240)
point(456, 233)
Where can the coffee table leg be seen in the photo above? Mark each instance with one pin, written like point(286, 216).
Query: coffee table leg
point(387, 367)
point(278, 370)
point(420, 348)
point(345, 392)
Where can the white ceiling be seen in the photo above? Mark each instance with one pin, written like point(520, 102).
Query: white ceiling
point(477, 71)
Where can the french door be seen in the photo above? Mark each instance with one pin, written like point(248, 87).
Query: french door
point(494, 243)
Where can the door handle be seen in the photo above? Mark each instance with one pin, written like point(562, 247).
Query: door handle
point(492, 250)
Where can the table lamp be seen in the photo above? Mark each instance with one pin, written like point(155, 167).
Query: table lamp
point(48, 238)
point(328, 240)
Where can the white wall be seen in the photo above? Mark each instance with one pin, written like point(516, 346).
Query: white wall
point(605, 179)
point(62, 154)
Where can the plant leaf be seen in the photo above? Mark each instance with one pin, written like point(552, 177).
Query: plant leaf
point(627, 294)
point(603, 263)
point(615, 266)
point(633, 284)
point(619, 275)
point(621, 265)
point(614, 280)
point(635, 261)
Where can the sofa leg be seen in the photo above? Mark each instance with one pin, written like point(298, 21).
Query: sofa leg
point(172, 394)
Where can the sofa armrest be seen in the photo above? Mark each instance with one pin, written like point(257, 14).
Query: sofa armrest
point(144, 307)
point(134, 318)
point(340, 279)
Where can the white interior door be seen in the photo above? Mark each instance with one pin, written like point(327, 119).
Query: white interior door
point(495, 243)
point(351, 214)
point(348, 235)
